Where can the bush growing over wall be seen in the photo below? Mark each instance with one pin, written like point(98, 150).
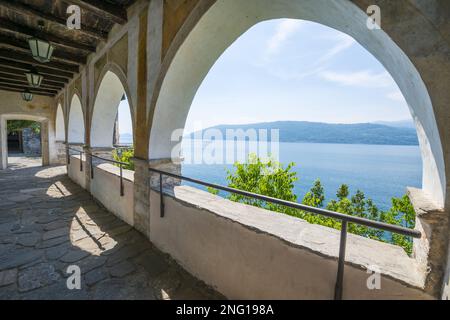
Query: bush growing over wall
point(274, 180)
point(125, 155)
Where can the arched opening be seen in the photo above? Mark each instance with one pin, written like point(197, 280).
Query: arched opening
point(24, 142)
point(76, 122)
point(227, 20)
point(111, 119)
point(59, 125)
point(339, 115)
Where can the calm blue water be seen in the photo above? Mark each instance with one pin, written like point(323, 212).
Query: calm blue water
point(381, 172)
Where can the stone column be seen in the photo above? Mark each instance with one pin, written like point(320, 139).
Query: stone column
point(45, 154)
point(144, 181)
point(87, 166)
point(430, 250)
point(141, 196)
point(61, 155)
point(3, 144)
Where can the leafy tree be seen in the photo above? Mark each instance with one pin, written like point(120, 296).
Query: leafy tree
point(17, 125)
point(273, 180)
point(125, 155)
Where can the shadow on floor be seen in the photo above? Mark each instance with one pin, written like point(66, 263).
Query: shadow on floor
point(48, 223)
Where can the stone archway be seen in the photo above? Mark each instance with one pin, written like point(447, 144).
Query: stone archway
point(211, 29)
point(45, 147)
point(76, 129)
point(109, 95)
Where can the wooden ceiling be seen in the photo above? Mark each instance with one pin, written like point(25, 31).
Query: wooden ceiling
point(19, 20)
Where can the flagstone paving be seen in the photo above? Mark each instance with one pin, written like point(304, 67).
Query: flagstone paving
point(48, 223)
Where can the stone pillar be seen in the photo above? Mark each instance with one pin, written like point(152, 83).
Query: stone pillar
point(3, 144)
point(144, 181)
point(87, 167)
point(61, 152)
point(141, 196)
point(45, 147)
point(430, 250)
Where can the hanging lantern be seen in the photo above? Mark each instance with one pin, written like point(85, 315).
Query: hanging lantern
point(34, 78)
point(27, 95)
point(40, 49)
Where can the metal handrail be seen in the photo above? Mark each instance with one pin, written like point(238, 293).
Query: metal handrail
point(78, 151)
point(344, 218)
point(121, 164)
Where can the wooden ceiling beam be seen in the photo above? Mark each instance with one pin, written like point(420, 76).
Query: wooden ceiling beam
point(101, 8)
point(23, 79)
point(27, 58)
point(26, 67)
point(34, 90)
point(54, 79)
point(27, 10)
point(22, 46)
point(9, 26)
point(19, 91)
point(25, 83)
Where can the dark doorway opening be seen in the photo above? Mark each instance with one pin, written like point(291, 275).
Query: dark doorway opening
point(15, 142)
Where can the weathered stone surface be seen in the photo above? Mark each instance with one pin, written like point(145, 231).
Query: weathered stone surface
point(38, 276)
point(123, 289)
point(94, 276)
point(57, 252)
point(56, 233)
point(122, 269)
point(74, 256)
point(8, 277)
point(28, 240)
point(91, 263)
point(116, 261)
point(57, 291)
point(153, 263)
point(19, 257)
point(126, 253)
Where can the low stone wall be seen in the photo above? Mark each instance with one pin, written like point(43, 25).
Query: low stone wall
point(246, 252)
point(108, 175)
point(249, 253)
point(74, 172)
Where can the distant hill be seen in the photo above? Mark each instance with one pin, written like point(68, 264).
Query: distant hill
point(397, 124)
point(317, 132)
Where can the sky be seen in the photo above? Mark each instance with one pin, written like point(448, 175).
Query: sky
point(296, 70)
point(125, 123)
point(289, 69)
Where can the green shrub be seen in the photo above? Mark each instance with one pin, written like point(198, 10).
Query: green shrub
point(125, 155)
point(274, 180)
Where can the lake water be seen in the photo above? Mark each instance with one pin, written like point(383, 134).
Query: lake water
point(381, 171)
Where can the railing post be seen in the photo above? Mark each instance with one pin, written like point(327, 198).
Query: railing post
point(341, 263)
point(121, 180)
point(92, 167)
point(161, 196)
point(68, 154)
point(81, 160)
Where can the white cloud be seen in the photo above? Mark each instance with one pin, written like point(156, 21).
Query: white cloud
point(343, 42)
point(365, 79)
point(396, 96)
point(298, 67)
point(285, 29)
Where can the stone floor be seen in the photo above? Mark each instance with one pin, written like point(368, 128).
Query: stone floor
point(48, 223)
